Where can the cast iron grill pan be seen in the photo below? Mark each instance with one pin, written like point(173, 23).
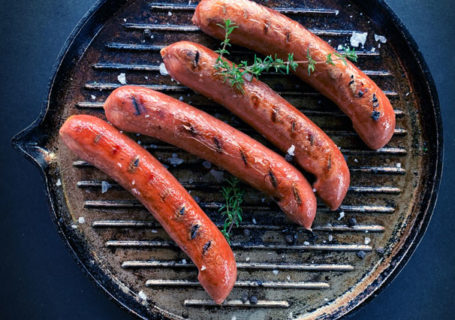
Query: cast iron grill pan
point(284, 272)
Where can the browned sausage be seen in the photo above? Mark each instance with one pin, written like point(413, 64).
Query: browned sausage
point(270, 33)
point(267, 112)
point(97, 142)
point(142, 110)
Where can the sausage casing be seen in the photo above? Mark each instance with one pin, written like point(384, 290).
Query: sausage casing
point(142, 110)
point(271, 33)
point(136, 170)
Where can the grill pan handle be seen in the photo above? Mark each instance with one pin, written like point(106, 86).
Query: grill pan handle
point(31, 142)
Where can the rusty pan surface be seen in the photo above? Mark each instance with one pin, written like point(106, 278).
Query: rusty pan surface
point(353, 252)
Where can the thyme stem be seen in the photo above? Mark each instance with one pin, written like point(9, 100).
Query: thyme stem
point(236, 74)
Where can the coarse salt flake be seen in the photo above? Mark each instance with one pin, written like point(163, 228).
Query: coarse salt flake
point(379, 38)
point(93, 97)
point(81, 220)
point(105, 186)
point(358, 39)
point(306, 243)
point(58, 183)
point(203, 268)
point(163, 70)
point(275, 272)
point(291, 150)
point(142, 295)
point(367, 240)
point(122, 78)
point(341, 216)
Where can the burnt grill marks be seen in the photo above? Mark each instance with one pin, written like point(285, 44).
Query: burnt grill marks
point(293, 124)
point(296, 195)
point(196, 59)
point(97, 138)
point(329, 163)
point(255, 101)
point(206, 247)
point(138, 107)
point(190, 129)
point(375, 115)
point(266, 26)
point(311, 138)
point(133, 164)
point(243, 155)
point(218, 146)
point(194, 230)
point(288, 36)
point(274, 116)
point(273, 179)
point(352, 80)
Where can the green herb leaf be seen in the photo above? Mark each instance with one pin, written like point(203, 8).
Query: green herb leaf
point(329, 59)
point(311, 62)
point(231, 209)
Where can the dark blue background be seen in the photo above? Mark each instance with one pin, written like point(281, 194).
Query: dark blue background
point(39, 278)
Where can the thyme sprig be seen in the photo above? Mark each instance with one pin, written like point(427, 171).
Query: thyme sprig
point(236, 74)
point(231, 209)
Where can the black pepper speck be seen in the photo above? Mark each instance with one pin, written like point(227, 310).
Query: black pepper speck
point(352, 222)
point(290, 239)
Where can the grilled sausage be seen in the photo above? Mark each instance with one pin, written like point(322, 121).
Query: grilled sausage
point(138, 109)
point(267, 112)
point(269, 32)
point(140, 173)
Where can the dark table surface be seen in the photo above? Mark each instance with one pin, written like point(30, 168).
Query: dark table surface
point(39, 278)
